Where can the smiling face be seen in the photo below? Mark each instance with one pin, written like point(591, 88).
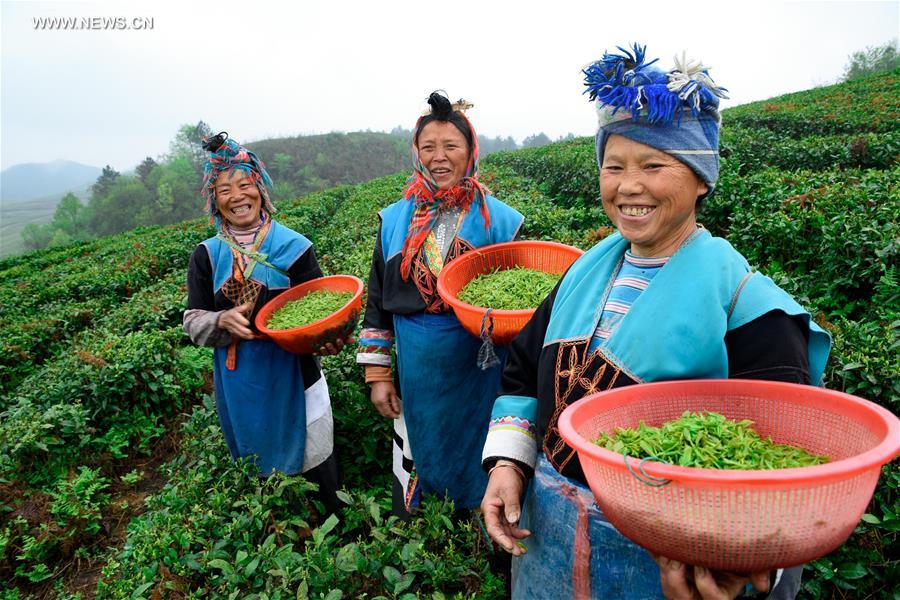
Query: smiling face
point(650, 196)
point(444, 152)
point(237, 198)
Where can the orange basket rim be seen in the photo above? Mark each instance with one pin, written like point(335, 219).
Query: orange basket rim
point(882, 453)
point(309, 327)
point(454, 300)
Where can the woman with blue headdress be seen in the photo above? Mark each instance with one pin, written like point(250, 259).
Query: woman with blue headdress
point(660, 299)
point(273, 406)
point(439, 397)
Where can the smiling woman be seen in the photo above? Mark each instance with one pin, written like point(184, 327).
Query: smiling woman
point(436, 393)
point(238, 199)
point(444, 151)
point(661, 299)
point(649, 195)
point(273, 406)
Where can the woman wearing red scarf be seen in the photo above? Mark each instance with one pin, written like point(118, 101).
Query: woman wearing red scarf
point(438, 397)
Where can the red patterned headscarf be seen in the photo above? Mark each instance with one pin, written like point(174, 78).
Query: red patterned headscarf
point(430, 200)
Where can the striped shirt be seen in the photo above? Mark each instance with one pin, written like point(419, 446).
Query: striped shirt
point(633, 278)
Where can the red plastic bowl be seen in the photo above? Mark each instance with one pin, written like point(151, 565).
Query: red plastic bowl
point(741, 521)
point(309, 338)
point(550, 257)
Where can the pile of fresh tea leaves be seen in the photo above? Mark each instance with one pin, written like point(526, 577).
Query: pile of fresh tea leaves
point(707, 440)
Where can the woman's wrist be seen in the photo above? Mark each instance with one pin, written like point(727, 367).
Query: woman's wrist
point(507, 464)
point(378, 374)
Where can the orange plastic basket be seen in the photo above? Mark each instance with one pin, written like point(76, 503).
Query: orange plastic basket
point(550, 257)
point(309, 338)
point(741, 521)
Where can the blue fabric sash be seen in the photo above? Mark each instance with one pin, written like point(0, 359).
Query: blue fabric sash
point(282, 247)
point(505, 223)
point(447, 403)
point(555, 508)
point(262, 406)
point(676, 327)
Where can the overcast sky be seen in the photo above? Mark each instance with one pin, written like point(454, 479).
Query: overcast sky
point(266, 69)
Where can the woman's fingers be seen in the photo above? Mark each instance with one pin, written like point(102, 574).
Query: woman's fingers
point(680, 581)
point(330, 349)
point(709, 588)
point(234, 321)
point(673, 579)
point(243, 332)
point(394, 404)
point(510, 499)
point(760, 581)
point(384, 398)
point(501, 508)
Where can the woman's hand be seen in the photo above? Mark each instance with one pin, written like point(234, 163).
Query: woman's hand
point(330, 349)
point(385, 399)
point(680, 581)
point(501, 506)
point(236, 323)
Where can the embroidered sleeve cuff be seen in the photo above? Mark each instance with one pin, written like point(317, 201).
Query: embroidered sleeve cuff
point(511, 437)
point(375, 347)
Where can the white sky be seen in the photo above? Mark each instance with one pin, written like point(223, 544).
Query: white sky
point(262, 69)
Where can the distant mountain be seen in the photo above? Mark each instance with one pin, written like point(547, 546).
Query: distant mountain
point(29, 181)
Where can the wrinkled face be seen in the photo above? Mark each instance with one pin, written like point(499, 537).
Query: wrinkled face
point(649, 195)
point(237, 198)
point(444, 152)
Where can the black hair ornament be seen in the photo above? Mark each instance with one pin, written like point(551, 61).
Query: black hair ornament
point(215, 142)
point(441, 108)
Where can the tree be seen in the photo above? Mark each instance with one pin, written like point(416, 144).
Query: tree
point(872, 60)
point(104, 182)
point(35, 236)
point(69, 216)
point(144, 169)
point(283, 190)
point(187, 143)
point(117, 211)
point(60, 238)
point(282, 166)
point(533, 141)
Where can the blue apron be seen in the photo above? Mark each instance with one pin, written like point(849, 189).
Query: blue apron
point(447, 403)
point(262, 404)
point(262, 407)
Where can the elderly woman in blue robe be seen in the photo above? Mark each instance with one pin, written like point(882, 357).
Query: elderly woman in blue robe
point(439, 398)
point(273, 406)
point(660, 299)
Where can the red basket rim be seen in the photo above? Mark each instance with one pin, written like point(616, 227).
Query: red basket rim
point(885, 451)
point(307, 284)
point(454, 300)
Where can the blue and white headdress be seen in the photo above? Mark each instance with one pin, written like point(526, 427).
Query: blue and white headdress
point(675, 112)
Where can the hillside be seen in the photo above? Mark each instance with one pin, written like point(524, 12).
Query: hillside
point(14, 216)
point(106, 418)
point(165, 192)
point(31, 181)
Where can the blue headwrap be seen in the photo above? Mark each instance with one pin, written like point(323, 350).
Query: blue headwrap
point(227, 155)
point(675, 112)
